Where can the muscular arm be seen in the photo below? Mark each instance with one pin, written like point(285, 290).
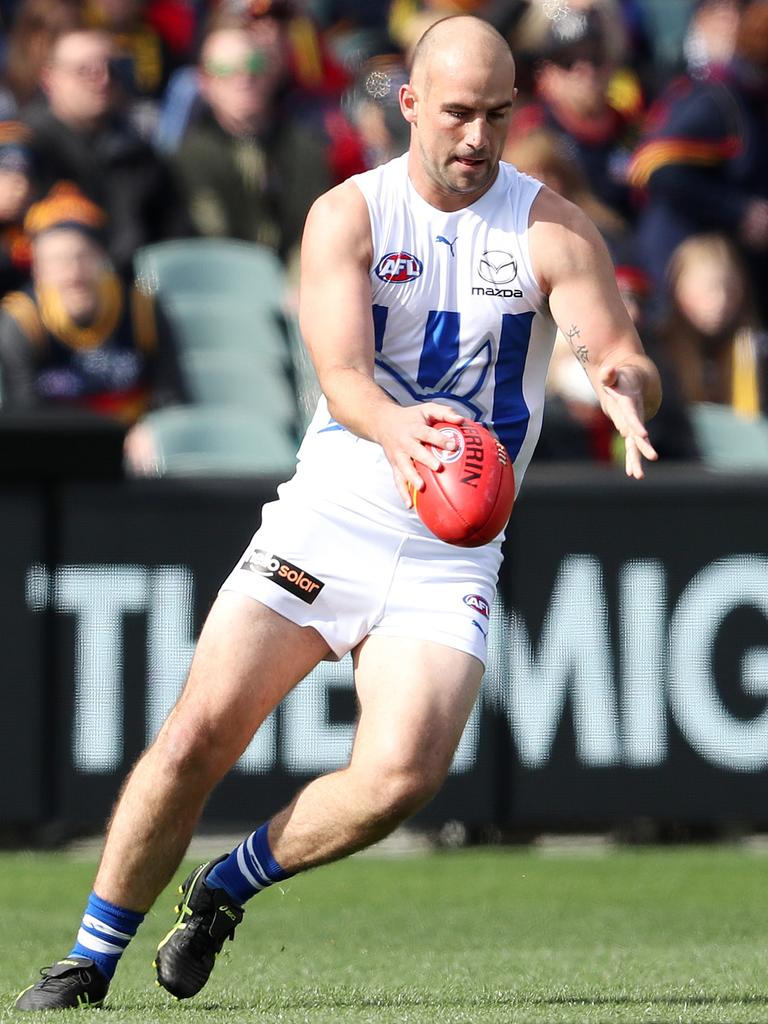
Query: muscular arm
point(574, 269)
point(337, 325)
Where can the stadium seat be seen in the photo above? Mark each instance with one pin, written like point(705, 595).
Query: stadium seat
point(195, 441)
point(727, 440)
point(224, 301)
point(250, 274)
point(212, 323)
point(230, 379)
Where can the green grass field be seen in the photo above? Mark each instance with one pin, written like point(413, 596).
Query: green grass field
point(475, 936)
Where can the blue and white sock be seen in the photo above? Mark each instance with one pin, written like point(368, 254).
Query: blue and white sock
point(248, 869)
point(104, 933)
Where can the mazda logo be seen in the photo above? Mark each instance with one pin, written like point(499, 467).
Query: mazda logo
point(497, 267)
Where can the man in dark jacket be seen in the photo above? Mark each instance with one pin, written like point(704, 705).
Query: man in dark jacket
point(248, 169)
point(704, 160)
point(572, 77)
point(79, 135)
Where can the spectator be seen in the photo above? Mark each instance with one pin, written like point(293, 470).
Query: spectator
point(607, 18)
point(246, 170)
point(710, 40)
point(704, 159)
point(15, 193)
point(76, 337)
point(672, 433)
point(712, 337)
point(35, 27)
point(544, 155)
point(373, 107)
point(141, 61)
point(79, 135)
point(309, 83)
point(300, 62)
point(572, 78)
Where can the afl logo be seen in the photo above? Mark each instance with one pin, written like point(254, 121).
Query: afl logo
point(398, 267)
point(447, 454)
point(478, 603)
point(497, 267)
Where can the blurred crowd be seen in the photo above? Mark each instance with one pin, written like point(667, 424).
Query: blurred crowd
point(129, 122)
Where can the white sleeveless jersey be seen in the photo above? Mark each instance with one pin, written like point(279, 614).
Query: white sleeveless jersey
point(458, 318)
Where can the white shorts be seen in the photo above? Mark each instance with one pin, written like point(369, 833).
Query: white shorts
point(332, 568)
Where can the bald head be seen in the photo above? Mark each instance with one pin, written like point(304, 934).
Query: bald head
point(457, 43)
point(458, 103)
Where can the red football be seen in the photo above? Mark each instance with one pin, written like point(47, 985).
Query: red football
point(468, 500)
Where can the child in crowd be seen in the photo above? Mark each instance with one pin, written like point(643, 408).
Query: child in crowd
point(712, 338)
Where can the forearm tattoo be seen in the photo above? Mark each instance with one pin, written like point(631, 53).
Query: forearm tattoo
point(580, 351)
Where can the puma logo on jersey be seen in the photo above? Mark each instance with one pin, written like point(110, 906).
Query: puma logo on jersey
point(442, 238)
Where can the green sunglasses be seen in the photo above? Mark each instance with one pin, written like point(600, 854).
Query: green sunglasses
point(255, 64)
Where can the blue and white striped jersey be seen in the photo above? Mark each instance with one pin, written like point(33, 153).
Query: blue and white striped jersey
point(458, 316)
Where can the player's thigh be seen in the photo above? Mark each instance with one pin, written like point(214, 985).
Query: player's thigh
point(247, 659)
point(415, 698)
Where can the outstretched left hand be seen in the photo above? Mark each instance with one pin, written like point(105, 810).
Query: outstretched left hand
point(621, 397)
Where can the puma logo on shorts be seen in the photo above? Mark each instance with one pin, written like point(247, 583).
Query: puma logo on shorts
point(286, 575)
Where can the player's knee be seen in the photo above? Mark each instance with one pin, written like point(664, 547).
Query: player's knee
point(192, 749)
point(400, 791)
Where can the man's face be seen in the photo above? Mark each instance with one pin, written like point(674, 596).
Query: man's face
point(71, 264)
point(236, 79)
point(77, 80)
point(461, 118)
point(577, 81)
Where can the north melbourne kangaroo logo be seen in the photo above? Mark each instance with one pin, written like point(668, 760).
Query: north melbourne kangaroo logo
point(497, 267)
point(442, 238)
point(460, 383)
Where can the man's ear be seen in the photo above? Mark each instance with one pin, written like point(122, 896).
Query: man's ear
point(409, 103)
